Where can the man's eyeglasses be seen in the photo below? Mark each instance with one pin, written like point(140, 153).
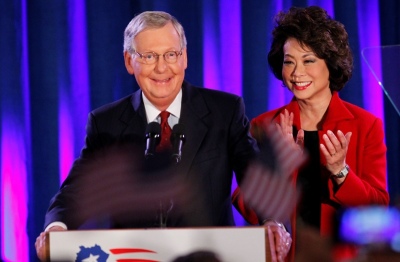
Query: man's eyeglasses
point(150, 58)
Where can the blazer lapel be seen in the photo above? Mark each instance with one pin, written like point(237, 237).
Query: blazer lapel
point(193, 113)
point(134, 118)
point(337, 114)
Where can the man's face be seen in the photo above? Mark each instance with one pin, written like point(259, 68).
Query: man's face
point(160, 82)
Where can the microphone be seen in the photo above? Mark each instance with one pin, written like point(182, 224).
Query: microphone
point(177, 140)
point(153, 131)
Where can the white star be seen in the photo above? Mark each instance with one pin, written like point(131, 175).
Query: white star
point(91, 258)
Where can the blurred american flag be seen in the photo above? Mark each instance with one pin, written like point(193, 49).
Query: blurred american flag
point(268, 187)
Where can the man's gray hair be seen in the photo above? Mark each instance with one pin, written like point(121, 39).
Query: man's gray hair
point(150, 20)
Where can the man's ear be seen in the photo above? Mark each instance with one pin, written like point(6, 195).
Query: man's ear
point(128, 62)
point(184, 54)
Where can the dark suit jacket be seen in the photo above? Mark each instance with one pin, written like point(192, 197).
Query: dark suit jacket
point(217, 143)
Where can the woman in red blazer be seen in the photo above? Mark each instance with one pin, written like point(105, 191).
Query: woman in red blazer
point(346, 164)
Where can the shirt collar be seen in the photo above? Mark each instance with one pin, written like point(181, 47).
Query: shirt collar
point(152, 112)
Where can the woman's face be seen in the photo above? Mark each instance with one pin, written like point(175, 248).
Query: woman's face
point(306, 75)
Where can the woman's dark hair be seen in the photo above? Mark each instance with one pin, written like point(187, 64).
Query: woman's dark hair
point(314, 28)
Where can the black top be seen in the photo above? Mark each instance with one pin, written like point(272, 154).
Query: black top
point(309, 179)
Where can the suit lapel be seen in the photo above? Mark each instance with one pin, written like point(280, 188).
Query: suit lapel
point(193, 114)
point(134, 117)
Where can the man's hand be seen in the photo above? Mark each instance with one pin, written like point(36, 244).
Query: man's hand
point(280, 241)
point(40, 244)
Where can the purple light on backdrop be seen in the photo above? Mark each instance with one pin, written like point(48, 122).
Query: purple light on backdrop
point(230, 61)
point(222, 47)
point(230, 47)
point(369, 35)
point(327, 5)
point(74, 103)
point(15, 164)
point(66, 135)
point(222, 53)
point(14, 191)
point(278, 95)
point(210, 49)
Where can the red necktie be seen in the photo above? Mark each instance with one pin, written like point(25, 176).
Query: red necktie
point(165, 142)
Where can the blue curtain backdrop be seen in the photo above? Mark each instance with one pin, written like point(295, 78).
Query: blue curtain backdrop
point(61, 58)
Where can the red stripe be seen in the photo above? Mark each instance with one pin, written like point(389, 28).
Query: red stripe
point(130, 250)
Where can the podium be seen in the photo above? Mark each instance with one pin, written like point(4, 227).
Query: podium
point(164, 245)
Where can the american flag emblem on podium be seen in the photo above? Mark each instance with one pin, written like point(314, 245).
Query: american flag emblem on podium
point(96, 254)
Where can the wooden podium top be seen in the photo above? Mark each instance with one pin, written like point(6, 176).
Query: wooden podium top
point(228, 243)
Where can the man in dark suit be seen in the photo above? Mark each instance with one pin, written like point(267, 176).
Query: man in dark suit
point(217, 140)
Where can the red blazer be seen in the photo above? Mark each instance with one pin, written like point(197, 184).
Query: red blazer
point(366, 182)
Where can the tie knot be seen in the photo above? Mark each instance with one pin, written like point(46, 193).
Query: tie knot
point(165, 143)
point(164, 116)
